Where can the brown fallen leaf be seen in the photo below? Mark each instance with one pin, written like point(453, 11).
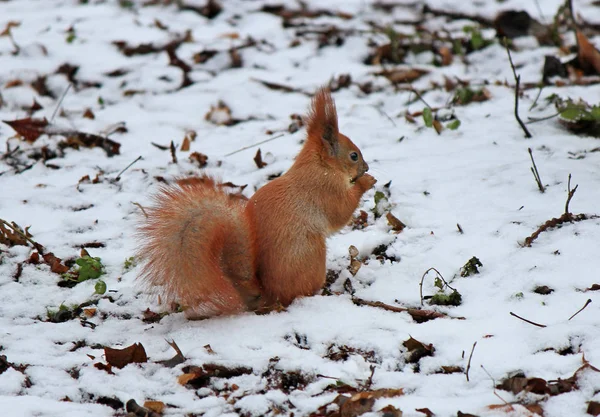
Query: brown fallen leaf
point(29, 128)
point(363, 402)
point(122, 357)
point(258, 160)
point(594, 287)
point(11, 24)
point(89, 114)
point(588, 55)
point(425, 411)
point(397, 225)
point(446, 54)
point(156, 406)
point(175, 360)
point(185, 145)
point(593, 408)
point(199, 158)
point(355, 264)
point(219, 114)
point(398, 76)
point(199, 376)
point(103, 367)
point(417, 350)
point(390, 411)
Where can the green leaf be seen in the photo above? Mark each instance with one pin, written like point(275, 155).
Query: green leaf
point(471, 267)
point(442, 299)
point(89, 268)
point(453, 125)
point(100, 287)
point(428, 117)
point(438, 283)
point(572, 112)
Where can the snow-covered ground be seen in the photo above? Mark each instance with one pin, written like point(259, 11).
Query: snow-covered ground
point(477, 176)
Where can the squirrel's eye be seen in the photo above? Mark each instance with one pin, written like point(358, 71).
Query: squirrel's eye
point(354, 156)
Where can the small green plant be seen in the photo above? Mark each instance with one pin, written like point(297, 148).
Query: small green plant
point(428, 117)
point(62, 314)
point(476, 38)
point(471, 267)
point(88, 268)
point(382, 204)
point(446, 295)
point(129, 264)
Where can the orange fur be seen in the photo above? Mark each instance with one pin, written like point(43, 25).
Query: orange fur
point(199, 250)
point(294, 214)
point(216, 253)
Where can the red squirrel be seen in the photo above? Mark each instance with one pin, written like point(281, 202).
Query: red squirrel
point(218, 253)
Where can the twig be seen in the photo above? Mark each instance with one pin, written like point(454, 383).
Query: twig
point(418, 315)
point(536, 97)
point(439, 275)
point(570, 195)
point(118, 177)
point(380, 110)
point(141, 208)
point(460, 229)
point(566, 217)
point(517, 81)
point(588, 302)
point(173, 156)
point(469, 362)
point(531, 120)
point(535, 172)
point(369, 382)
point(494, 385)
point(528, 321)
point(64, 94)
point(415, 92)
point(255, 144)
point(281, 87)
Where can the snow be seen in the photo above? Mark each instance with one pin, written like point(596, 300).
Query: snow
point(477, 176)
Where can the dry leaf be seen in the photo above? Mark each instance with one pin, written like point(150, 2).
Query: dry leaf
point(89, 114)
point(30, 129)
point(122, 357)
point(397, 225)
point(417, 350)
point(593, 408)
point(175, 360)
point(446, 55)
point(588, 55)
point(185, 145)
point(437, 125)
point(258, 160)
point(219, 114)
point(11, 24)
point(200, 158)
point(399, 75)
point(156, 406)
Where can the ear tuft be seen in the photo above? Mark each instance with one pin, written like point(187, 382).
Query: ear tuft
point(322, 122)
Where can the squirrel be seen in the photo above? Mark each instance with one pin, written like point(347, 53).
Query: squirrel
point(218, 253)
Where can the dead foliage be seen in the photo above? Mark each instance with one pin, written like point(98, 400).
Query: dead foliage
point(566, 218)
point(122, 357)
point(31, 129)
point(418, 315)
point(520, 383)
point(199, 376)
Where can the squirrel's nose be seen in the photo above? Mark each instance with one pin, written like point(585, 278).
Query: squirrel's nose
point(366, 167)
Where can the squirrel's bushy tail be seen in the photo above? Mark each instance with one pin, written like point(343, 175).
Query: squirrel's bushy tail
point(198, 249)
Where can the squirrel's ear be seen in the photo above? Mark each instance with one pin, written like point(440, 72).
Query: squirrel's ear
point(322, 123)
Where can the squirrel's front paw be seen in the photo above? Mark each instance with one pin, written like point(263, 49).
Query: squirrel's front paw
point(367, 181)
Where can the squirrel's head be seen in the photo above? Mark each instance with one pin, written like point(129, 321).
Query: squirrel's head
point(334, 148)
